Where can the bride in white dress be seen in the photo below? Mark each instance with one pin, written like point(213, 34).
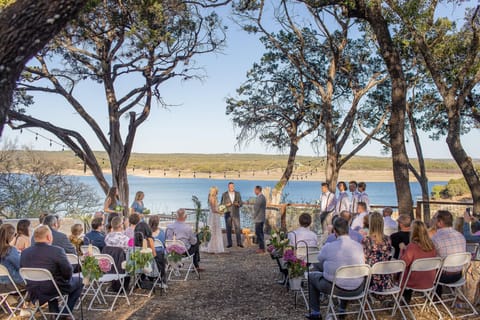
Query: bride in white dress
point(216, 241)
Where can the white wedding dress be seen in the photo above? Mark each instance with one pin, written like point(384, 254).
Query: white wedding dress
point(215, 245)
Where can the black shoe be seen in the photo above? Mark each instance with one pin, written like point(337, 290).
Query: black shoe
point(313, 316)
point(240, 245)
point(229, 246)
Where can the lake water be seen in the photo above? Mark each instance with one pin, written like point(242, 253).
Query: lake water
point(167, 194)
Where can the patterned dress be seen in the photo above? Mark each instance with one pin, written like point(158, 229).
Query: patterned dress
point(378, 252)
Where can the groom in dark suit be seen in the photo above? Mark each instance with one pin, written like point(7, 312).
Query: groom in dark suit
point(232, 200)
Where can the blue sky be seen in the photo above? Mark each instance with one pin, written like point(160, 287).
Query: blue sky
point(196, 121)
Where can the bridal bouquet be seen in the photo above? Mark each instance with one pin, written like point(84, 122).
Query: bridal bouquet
point(221, 209)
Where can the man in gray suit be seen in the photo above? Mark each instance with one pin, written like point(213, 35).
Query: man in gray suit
point(259, 209)
point(233, 201)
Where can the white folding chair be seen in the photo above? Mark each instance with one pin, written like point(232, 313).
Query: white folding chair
point(40, 274)
point(108, 278)
point(309, 255)
point(5, 305)
point(473, 249)
point(155, 273)
point(95, 249)
point(423, 265)
point(345, 273)
point(185, 264)
point(392, 268)
point(451, 261)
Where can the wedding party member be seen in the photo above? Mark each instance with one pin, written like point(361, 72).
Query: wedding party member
point(448, 241)
point(42, 254)
point(112, 200)
point(259, 209)
point(184, 232)
point(22, 240)
point(354, 235)
point(303, 234)
point(215, 245)
point(389, 225)
point(137, 204)
point(60, 239)
point(420, 247)
point(76, 237)
point(357, 223)
point(10, 259)
point(232, 200)
point(363, 196)
point(95, 237)
point(329, 261)
point(343, 202)
point(327, 206)
point(377, 248)
point(352, 187)
point(403, 235)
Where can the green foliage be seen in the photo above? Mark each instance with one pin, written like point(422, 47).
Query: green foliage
point(139, 259)
point(90, 268)
point(200, 215)
point(4, 3)
point(454, 188)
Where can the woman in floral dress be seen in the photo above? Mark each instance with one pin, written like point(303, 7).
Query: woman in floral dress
point(377, 248)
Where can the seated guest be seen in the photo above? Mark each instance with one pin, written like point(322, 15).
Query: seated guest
point(303, 233)
point(9, 258)
point(116, 238)
point(157, 232)
point(22, 240)
point(329, 261)
point(96, 237)
point(76, 237)
point(133, 219)
point(42, 254)
point(377, 248)
point(402, 236)
point(448, 241)
point(420, 246)
point(142, 231)
point(60, 239)
point(389, 225)
point(184, 232)
point(357, 222)
point(364, 230)
point(354, 235)
point(432, 226)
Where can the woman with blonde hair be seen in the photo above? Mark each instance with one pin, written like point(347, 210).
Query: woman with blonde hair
point(137, 204)
point(377, 248)
point(215, 245)
point(420, 246)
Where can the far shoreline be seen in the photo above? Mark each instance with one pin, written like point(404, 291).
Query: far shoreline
point(345, 175)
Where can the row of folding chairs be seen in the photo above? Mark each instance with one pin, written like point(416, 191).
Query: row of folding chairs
point(396, 268)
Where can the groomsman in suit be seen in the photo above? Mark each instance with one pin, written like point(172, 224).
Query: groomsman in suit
point(363, 197)
point(352, 187)
point(343, 203)
point(259, 209)
point(232, 200)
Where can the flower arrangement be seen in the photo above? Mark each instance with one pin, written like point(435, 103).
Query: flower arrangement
point(221, 209)
point(146, 211)
point(277, 243)
point(93, 268)
point(205, 234)
point(296, 266)
point(175, 253)
point(140, 259)
point(119, 209)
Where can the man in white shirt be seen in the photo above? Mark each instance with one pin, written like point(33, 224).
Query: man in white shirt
point(184, 232)
point(363, 197)
point(343, 202)
point(341, 252)
point(390, 226)
point(303, 234)
point(352, 187)
point(327, 207)
point(357, 222)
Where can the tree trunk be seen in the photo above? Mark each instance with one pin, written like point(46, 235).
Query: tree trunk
point(25, 27)
point(332, 169)
point(397, 119)
point(287, 173)
point(464, 162)
point(422, 176)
